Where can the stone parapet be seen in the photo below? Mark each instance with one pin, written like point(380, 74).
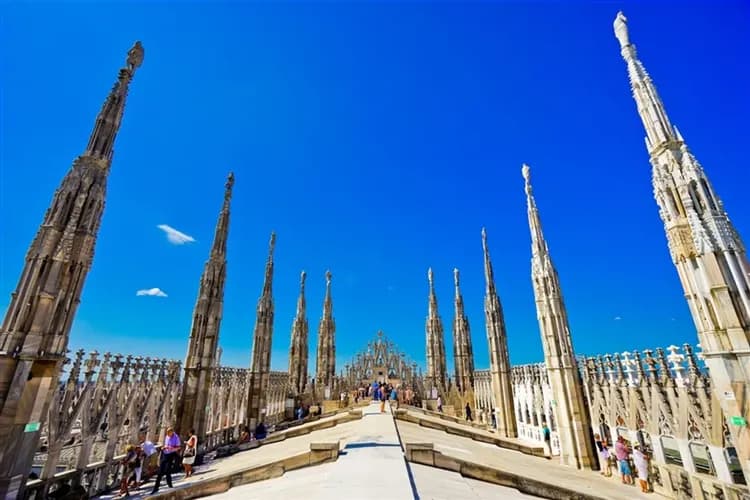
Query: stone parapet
point(425, 454)
point(468, 432)
point(319, 453)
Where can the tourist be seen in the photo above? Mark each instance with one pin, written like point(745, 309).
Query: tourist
point(467, 410)
point(260, 431)
point(601, 446)
point(169, 455)
point(440, 404)
point(621, 452)
point(188, 456)
point(383, 398)
point(147, 450)
point(494, 418)
point(244, 435)
point(547, 436)
point(641, 466)
point(128, 468)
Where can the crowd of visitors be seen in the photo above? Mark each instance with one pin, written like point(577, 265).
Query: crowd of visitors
point(622, 458)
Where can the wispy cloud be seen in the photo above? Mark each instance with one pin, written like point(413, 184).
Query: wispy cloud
point(151, 292)
point(618, 318)
point(174, 236)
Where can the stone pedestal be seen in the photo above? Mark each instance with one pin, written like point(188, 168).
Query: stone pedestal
point(430, 404)
point(330, 406)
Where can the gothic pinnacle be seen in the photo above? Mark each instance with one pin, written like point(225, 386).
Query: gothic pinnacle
point(489, 277)
point(203, 351)
point(298, 351)
point(538, 244)
point(268, 277)
point(218, 250)
point(102, 140)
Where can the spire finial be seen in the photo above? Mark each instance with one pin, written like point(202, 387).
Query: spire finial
point(302, 277)
point(526, 172)
point(102, 139)
point(456, 276)
point(271, 245)
point(429, 277)
point(484, 236)
point(621, 29)
point(228, 187)
point(328, 277)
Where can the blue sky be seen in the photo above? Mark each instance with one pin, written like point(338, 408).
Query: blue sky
point(376, 140)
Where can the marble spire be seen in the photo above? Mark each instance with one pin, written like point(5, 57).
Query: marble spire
point(298, 350)
point(572, 417)
point(437, 374)
point(705, 247)
point(34, 334)
point(202, 355)
point(463, 353)
point(260, 367)
point(497, 341)
point(326, 356)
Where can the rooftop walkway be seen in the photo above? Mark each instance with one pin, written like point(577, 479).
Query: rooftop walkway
point(512, 464)
point(362, 458)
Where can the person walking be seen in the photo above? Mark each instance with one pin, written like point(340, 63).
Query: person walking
point(128, 469)
point(383, 398)
point(547, 436)
point(467, 410)
point(188, 456)
point(641, 466)
point(169, 455)
point(440, 404)
point(601, 446)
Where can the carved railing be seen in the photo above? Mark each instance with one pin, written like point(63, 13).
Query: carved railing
point(661, 399)
point(101, 406)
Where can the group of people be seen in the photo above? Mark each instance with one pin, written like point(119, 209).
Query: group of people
point(141, 455)
point(623, 452)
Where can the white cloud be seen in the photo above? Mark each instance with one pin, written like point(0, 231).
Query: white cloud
point(174, 236)
point(151, 292)
point(618, 318)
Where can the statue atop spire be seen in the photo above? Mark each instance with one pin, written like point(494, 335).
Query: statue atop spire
point(38, 320)
point(228, 187)
point(298, 350)
point(621, 29)
point(497, 341)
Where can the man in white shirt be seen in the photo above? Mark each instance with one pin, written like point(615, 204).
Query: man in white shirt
point(148, 449)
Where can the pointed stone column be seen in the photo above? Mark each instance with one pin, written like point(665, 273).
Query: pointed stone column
point(202, 354)
point(706, 249)
point(34, 334)
point(574, 425)
point(463, 354)
point(437, 374)
point(325, 368)
point(298, 350)
point(501, 378)
point(260, 366)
